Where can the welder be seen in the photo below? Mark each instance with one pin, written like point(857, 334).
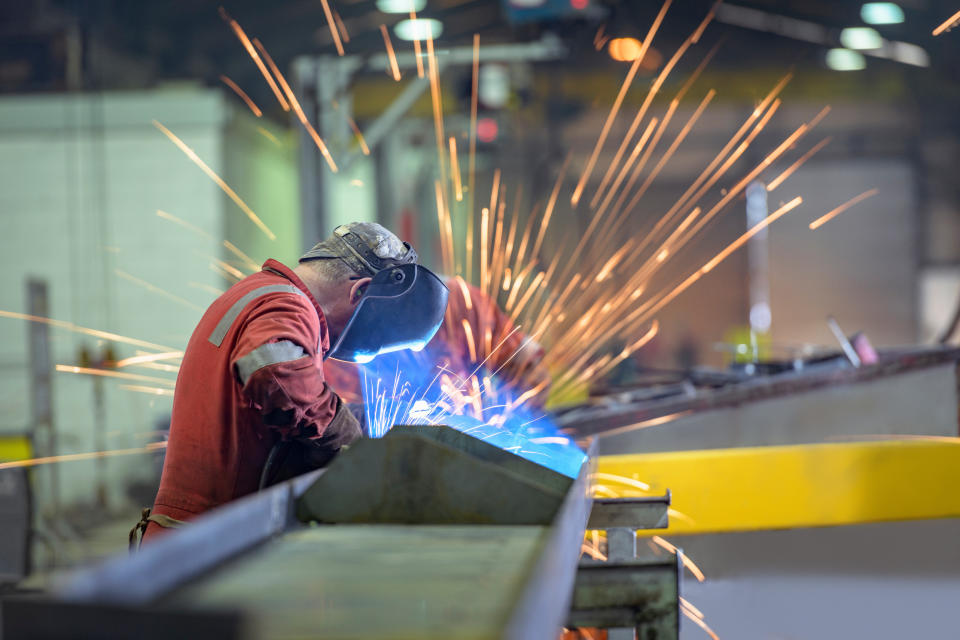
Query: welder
point(251, 405)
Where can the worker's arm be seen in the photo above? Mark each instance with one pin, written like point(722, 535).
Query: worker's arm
point(277, 362)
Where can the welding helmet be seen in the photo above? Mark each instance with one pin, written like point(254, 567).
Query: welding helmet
point(401, 308)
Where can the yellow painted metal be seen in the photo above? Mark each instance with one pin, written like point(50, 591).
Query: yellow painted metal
point(797, 486)
point(15, 447)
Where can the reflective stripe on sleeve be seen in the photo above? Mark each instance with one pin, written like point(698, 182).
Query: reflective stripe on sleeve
point(265, 355)
point(220, 332)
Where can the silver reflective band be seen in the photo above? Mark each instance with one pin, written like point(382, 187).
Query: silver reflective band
point(265, 355)
point(231, 315)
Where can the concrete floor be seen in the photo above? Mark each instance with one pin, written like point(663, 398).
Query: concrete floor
point(879, 581)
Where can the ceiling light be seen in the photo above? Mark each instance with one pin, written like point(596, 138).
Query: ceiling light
point(401, 6)
point(861, 38)
point(845, 60)
point(624, 49)
point(881, 13)
point(419, 29)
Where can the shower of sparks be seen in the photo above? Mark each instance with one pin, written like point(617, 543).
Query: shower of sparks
point(687, 562)
point(819, 222)
point(437, 102)
point(152, 288)
point(776, 182)
point(948, 24)
point(183, 223)
point(394, 68)
point(297, 109)
point(154, 391)
point(605, 131)
point(71, 457)
point(455, 169)
point(148, 357)
point(359, 136)
point(331, 22)
point(217, 179)
point(106, 373)
point(243, 95)
point(69, 326)
point(242, 36)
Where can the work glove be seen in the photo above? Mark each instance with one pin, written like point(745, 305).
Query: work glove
point(294, 457)
point(357, 410)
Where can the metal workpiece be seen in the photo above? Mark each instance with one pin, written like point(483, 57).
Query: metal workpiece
point(437, 535)
point(638, 513)
point(408, 477)
point(642, 594)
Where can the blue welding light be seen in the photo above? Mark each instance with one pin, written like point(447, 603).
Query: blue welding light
point(401, 388)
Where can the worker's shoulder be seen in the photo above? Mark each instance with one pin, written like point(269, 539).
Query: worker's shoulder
point(259, 289)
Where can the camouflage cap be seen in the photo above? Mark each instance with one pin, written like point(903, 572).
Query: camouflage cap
point(366, 247)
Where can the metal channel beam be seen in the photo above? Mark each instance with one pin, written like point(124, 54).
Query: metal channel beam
point(545, 603)
point(639, 593)
point(636, 513)
point(161, 567)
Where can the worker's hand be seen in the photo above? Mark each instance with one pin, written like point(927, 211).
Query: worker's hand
point(358, 412)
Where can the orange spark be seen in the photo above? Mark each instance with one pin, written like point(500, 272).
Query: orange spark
point(359, 135)
point(472, 166)
point(238, 30)
point(597, 475)
point(217, 179)
point(948, 24)
point(688, 605)
point(700, 623)
point(139, 388)
point(754, 230)
point(269, 136)
point(687, 562)
point(605, 131)
point(183, 223)
point(155, 289)
point(846, 205)
point(469, 333)
point(70, 457)
point(551, 203)
point(652, 422)
point(106, 373)
point(232, 248)
point(150, 357)
point(416, 49)
point(341, 26)
point(776, 182)
point(295, 105)
point(455, 169)
point(437, 101)
point(96, 333)
point(243, 95)
point(465, 291)
point(394, 68)
point(333, 27)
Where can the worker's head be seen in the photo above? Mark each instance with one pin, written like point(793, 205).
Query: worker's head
point(374, 295)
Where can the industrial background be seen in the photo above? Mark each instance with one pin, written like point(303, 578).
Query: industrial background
point(799, 400)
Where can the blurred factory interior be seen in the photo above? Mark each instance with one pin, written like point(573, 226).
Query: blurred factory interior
point(758, 201)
